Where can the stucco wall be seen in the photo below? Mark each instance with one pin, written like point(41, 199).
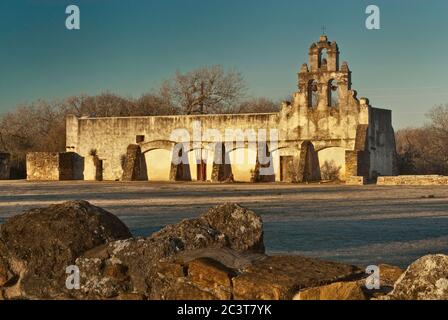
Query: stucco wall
point(111, 136)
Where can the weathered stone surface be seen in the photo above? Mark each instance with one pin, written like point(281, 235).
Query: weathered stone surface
point(224, 226)
point(219, 255)
point(182, 289)
point(350, 290)
point(209, 274)
point(131, 296)
point(355, 181)
point(37, 246)
point(230, 258)
point(424, 279)
point(389, 274)
point(413, 180)
point(280, 277)
point(243, 228)
point(5, 273)
point(51, 165)
point(134, 167)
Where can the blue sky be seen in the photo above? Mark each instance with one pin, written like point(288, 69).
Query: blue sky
point(129, 47)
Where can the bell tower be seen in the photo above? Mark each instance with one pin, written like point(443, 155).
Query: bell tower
point(324, 83)
point(324, 55)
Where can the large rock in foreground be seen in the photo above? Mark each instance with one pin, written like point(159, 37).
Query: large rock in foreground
point(425, 279)
point(280, 277)
point(219, 255)
point(225, 226)
point(37, 246)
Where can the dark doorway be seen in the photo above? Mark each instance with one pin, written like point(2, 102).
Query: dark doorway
point(99, 170)
point(202, 171)
point(286, 167)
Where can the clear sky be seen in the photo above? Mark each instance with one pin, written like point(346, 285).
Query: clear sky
point(129, 47)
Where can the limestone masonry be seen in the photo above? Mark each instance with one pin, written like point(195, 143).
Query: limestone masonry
point(325, 125)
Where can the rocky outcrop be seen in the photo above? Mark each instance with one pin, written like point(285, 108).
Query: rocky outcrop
point(226, 226)
point(350, 290)
point(389, 275)
point(38, 245)
point(425, 279)
point(280, 277)
point(218, 256)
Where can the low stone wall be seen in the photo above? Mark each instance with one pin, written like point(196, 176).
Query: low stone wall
point(355, 181)
point(49, 166)
point(5, 167)
point(423, 180)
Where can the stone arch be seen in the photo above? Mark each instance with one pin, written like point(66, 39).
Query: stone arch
point(332, 162)
point(243, 160)
point(333, 93)
point(313, 93)
point(323, 57)
point(157, 144)
point(200, 160)
point(158, 164)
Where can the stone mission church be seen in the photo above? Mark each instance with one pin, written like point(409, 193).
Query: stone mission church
point(325, 124)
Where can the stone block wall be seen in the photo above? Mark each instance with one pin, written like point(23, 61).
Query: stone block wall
point(5, 166)
point(49, 166)
point(413, 180)
point(355, 181)
point(357, 163)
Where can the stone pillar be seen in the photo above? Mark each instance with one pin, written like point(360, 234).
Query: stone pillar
point(258, 176)
point(222, 169)
point(181, 171)
point(72, 131)
point(309, 169)
point(357, 163)
point(134, 168)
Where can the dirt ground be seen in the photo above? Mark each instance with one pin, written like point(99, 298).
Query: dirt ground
point(358, 224)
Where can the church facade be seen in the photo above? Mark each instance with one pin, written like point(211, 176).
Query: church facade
point(325, 127)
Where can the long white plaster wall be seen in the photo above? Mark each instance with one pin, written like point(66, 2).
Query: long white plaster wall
point(111, 136)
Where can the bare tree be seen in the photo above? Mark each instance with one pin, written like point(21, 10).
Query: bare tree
point(258, 105)
point(206, 90)
point(424, 150)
